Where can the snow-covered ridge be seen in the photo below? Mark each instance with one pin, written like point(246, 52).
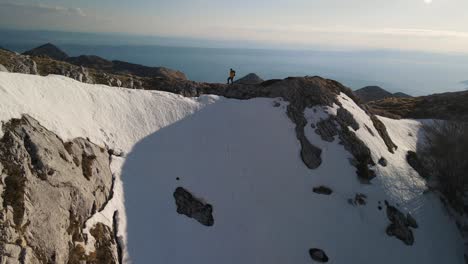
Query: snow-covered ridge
point(241, 156)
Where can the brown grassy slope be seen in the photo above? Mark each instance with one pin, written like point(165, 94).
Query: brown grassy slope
point(447, 106)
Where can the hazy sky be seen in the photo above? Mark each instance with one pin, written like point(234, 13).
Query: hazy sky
point(425, 25)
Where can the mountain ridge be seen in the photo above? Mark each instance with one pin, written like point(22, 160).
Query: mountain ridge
point(374, 93)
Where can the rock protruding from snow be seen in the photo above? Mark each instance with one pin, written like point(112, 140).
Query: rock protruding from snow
point(13, 62)
point(318, 255)
point(250, 78)
point(400, 225)
point(380, 127)
point(192, 207)
point(49, 192)
point(327, 129)
point(346, 118)
point(322, 190)
point(361, 153)
point(383, 162)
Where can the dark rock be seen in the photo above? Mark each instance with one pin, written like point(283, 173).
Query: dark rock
point(380, 127)
point(327, 129)
point(276, 104)
point(400, 225)
point(116, 152)
point(360, 199)
point(370, 131)
point(383, 162)
point(318, 255)
point(360, 152)
point(346, 118)
point(193, 207)
point(415, 163)
point(411, 221)
point(322, 190)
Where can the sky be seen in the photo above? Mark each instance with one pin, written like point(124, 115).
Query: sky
point(422, 25)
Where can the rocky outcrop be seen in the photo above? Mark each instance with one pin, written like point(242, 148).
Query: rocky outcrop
point(380, 127)
point(361, 153)
point(400, 225)
point(345, 118)
point(192, 207)
point(322, 190)
point(49, 188)
point(13, 62)
point(383, 162)
point(327, 129)
point(250, 78)
point(318, 255)
point(48, 50)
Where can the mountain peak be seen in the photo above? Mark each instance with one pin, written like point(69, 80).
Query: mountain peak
point(374, 93)
point(250, 78)
point(49, 50)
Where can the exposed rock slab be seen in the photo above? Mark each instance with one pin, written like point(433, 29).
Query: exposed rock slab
point(400, 225)
point(192, 207)
point(48, 192)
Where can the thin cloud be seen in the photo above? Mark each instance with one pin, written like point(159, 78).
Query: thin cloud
point(46, 8)
point(415, 32)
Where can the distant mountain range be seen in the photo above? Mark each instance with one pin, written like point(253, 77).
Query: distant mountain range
point(374, 93)
point(98, 63)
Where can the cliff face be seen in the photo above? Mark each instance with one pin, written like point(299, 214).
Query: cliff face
point(49, 189)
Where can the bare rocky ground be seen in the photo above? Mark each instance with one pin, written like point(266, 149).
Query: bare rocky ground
point(49, 188)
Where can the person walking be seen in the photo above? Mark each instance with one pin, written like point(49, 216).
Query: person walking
point(232, 74)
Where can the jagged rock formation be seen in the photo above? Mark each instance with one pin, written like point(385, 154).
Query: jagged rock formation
point(192, 207)
point(49, 189)
point(17, 63)
point(401, 225)
point(318, 255)
point(47, 50)
point(373, 93)
point(250, 78)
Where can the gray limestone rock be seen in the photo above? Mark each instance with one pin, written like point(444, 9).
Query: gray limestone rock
point(49, 190)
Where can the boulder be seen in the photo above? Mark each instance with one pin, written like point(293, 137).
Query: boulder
point(192, 207)
point(318, 255)
point(322, 190)
point(400, 225)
